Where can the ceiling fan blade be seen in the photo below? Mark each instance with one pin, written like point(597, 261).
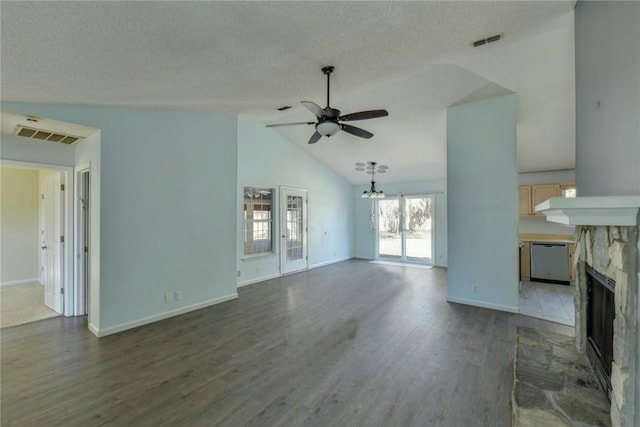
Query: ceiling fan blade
point(356, 131)
point(314, 108)
point(315, 137)
point(290, 124)
point(364, 115)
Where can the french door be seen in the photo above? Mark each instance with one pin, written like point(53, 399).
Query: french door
point(405, 228)
point(293, 227)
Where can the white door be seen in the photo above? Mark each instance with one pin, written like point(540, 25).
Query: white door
point(293, 227)
point(52, 244)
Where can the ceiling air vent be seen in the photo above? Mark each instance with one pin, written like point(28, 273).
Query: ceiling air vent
point(488, 40)
point(45, 135)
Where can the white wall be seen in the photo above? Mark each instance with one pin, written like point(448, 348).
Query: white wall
point(608, 134)
point(539, 225)
point(268, 160)
point(167, 208)
point(19, 214)
point(366, 239)
point(482, 203)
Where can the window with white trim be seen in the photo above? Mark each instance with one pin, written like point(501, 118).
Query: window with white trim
point(258, 221)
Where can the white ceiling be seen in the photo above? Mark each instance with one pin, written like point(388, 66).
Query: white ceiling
point(412, 58)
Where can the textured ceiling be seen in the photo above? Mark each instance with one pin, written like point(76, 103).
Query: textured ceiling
point(412, 58)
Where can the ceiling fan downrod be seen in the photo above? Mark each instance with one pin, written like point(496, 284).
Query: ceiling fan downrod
point(327, 71)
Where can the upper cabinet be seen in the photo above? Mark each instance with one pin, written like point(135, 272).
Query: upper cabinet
point(529, 196)
point(524, 200)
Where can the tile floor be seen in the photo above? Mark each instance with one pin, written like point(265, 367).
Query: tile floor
point(548, 301)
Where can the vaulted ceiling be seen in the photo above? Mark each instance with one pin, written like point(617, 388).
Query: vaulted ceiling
point(412, 58)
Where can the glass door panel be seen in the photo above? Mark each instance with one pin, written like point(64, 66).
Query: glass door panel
point(405, 227)
point(294, 228)
point(418, 229)
point(293, 246)
point(389, 230)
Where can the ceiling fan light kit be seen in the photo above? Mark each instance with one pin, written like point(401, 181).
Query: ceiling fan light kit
point(328, 119)
point(327, 128)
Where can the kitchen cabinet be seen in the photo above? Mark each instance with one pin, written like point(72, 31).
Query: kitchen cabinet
point(572, 274)
point(525, 261)
point(529, 196)
point(524, 200)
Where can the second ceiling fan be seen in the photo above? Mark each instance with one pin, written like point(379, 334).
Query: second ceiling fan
point(329, 119)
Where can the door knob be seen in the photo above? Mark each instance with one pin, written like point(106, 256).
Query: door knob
point(44, 247)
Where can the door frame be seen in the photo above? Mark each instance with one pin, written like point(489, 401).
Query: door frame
point(82, 271)
point(401, 203)
point(283, 220)
point(67, 266)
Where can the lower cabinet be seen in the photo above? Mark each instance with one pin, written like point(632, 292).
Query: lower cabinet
point(525, 261)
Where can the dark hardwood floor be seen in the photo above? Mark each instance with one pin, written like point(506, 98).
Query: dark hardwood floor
point(350, 344)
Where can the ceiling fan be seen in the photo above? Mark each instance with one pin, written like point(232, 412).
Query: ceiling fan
point(328, 119)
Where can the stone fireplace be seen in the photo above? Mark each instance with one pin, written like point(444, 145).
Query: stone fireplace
point(607, 248)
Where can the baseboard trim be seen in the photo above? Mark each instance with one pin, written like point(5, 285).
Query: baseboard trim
point(333, 261)
point(19, 282)
point(156, 317)
point(95, 331)
point(276, 275)
point(484, 304)
point(259, 279)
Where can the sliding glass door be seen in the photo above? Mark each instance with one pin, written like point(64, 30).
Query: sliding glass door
point(405, 229)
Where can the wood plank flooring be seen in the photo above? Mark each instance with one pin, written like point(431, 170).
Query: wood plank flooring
point(350, 344)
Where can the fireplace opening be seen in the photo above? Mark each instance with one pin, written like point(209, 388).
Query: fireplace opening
point(600, 315)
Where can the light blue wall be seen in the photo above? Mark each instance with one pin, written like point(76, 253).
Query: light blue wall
point(266, 159)
point(608, 135)
point(366, 238)
point(482, 203)
point(607, 70)
point(540, 225)
point(168, 208)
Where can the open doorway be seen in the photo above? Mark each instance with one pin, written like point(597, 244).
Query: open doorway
point(35, 220)
point(406, 229)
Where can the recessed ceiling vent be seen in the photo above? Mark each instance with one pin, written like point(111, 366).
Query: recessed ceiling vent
point(45, 135)
point(488, 40)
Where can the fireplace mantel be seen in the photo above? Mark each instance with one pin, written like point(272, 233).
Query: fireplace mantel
point(610, 210)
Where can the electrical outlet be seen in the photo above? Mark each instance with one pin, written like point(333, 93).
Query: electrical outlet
point(475, 288)
point(238, 273)
point(168, 297)
point(178, 295)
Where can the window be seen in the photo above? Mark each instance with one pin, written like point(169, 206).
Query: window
point(258, 221)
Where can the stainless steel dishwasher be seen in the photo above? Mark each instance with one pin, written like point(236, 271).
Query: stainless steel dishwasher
point(550, 262)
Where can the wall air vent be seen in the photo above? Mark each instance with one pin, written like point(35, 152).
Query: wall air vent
point(491, 39)
point(45, 135)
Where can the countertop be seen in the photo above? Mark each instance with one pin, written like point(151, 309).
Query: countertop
point(551, 238)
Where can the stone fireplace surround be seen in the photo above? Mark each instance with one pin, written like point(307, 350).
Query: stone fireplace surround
point(607, 241)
